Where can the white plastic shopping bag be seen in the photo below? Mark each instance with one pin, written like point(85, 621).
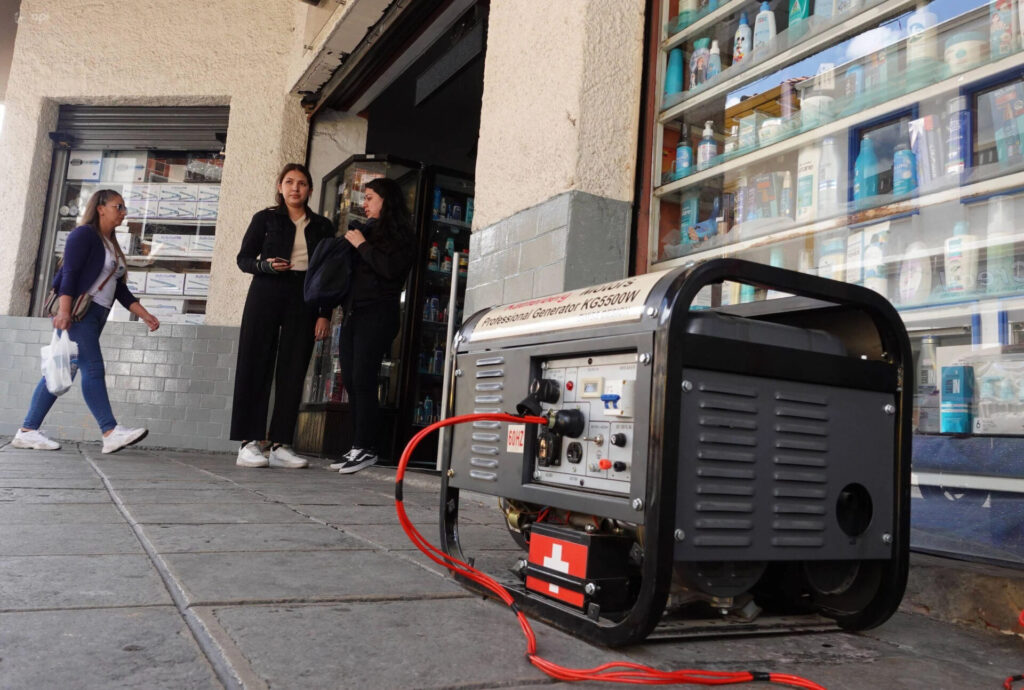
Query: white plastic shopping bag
point(60, 363)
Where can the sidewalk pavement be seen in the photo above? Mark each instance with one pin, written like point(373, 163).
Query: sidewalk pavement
point(167, 569)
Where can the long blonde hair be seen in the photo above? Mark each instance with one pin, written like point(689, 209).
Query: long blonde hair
point(91, 217)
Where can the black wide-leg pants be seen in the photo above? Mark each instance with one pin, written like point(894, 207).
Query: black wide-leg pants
point(277, 329)
point(367, 333)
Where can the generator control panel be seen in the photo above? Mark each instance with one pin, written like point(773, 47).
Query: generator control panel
point(602, 388)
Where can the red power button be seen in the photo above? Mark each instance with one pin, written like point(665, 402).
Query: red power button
point(605, 464)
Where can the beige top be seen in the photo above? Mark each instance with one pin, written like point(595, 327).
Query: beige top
point(300, 254)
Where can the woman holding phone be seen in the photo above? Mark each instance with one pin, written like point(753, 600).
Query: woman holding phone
point(278, 327)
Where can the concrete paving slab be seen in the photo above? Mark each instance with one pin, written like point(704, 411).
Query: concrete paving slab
point(47, 495)
point(101, 648)
point(394, 644)
point(214, 538)
point(213, 578)
point(58, 513)
point(69, 539)
point(198, 514)
point(201, 494)
point(54, 582)
point(472, 537)
point(30, 482)
point(369, 515)
point(316, 495)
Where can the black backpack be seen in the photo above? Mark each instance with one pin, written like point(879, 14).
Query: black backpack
point(329, 274)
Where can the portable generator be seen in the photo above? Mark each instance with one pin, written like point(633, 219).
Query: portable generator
point(707, 467)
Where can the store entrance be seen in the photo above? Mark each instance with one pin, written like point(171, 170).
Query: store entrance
point(427, 117)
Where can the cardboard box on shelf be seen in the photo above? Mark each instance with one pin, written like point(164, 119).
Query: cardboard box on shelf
point(197, 283)
point(176, 210)
point(206, 210)
point(139, 192)
point(201, 244)
point(125, 239)
point(192, 319)
point(168, 244)
point(84, 165)
point(124, 166)
point(176, 192)
point(163, 308)
point(136, 281)
point(208, 192)
point(165, 283)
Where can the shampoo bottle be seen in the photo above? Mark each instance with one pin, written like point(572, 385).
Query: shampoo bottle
point(865, 173)
point(961, 260)
point(999, 254)
point(830, 177)
point(714, 61)
point(904, 170)
point(764, 27)
point(684, 154)
point(708, 147)
point(741, 42)
point(807, 183)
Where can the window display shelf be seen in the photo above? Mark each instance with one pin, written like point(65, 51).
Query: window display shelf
point(682, 33)
point(800, 138)
point(819, 33)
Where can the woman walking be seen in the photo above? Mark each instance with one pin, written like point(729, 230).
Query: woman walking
point(278, 327)
point(385, 249)
point(93, 265)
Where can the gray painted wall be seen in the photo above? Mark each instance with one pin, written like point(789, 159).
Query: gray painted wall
point(570, 241)
point(177, 381)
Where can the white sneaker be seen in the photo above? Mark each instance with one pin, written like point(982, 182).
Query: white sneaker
point(250, 455)
point(345, 459)
point(122, 437)
point(284, 456)
point(33, 439)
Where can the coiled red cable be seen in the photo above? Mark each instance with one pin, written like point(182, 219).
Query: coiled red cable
point(616, 672)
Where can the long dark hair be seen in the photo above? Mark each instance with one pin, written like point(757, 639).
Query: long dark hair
point(395, 222)
point(91, 217)
point(280, 178)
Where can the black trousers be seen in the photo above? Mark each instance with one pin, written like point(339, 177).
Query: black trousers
point(366, 336)
point(277, 329)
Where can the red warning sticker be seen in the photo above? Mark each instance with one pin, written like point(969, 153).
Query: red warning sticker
point(561, 556)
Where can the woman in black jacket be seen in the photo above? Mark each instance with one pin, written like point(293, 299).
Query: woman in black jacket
point(385, 248)
point(278, 327)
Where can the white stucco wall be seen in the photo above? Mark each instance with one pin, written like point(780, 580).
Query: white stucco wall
point(152, 52)
point(561, 103)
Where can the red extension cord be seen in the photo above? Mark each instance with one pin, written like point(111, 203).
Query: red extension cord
point(618, 672)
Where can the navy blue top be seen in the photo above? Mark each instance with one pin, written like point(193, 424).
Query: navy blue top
point(84, 258)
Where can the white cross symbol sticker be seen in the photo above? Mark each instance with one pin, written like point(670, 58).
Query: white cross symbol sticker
point(555, 562)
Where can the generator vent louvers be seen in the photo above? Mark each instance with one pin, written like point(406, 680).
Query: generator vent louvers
point(486, 434)
point(752, 439)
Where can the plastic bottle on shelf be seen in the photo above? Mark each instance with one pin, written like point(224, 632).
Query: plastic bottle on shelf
point(915, 274)
point(904, 170)
point(699, 61)
point(764, 27)
point(674, 72)
point(714, 61)
point(741, 41)
point(732, 142)
point(807, 183)
point(428, 410)
point(708, 147)
point(740, 200)
point(687, 13)
point(449, 246)
point(469, 211)
point(876, 275)
point(463, 263)
point(437, 202)
point(442, 208)
point(433, 257)
point(830, 189)
point(799, 10)
point(999, 255)
point(961, 260)
point(865, 172)
point(786, 196)
point(439, 360)
point(446, 265)
point(684, 154)
point(957, 126)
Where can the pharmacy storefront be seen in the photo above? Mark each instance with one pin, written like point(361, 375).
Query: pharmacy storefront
point(879, 142)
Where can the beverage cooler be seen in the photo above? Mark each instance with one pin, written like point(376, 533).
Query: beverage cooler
point(410, 380)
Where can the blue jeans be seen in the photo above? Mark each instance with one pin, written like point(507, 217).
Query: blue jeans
point(90, 365)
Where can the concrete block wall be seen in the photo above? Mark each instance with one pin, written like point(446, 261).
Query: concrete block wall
point(572, 240)
point(177, 381)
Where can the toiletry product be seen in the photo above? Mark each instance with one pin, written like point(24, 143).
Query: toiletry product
point(674, 72)
point(816, 109)
point(437, 202)
point(776, 258)
point(771, 129)
point(687, 13)
point(766, 203)
point(449, 246)
point(964, 51)
point(469, 211)
point(684, 159)
point(764, 27)
point(853, 85)
point(876, 274)
point(961, 260)
point(747, 293)
point(999, 255)
point(714, 61)
point(915, 275)
point(855, 258)
point(957, 127)
point(740, 197)
point(699, 62)
point(1006, 105)
point(957, 396)
point(926, 143)
point(921, 43)
point(708, 147)
point(1001, 41)
point(786, 196)
point(831, 194)
point(799, 10)
point(832, 259)
point(741, 41)
point(732, 142)
point(904, 170)
point(865, 173)
point(433, 257)
point(688, 215)
point(807, 183)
